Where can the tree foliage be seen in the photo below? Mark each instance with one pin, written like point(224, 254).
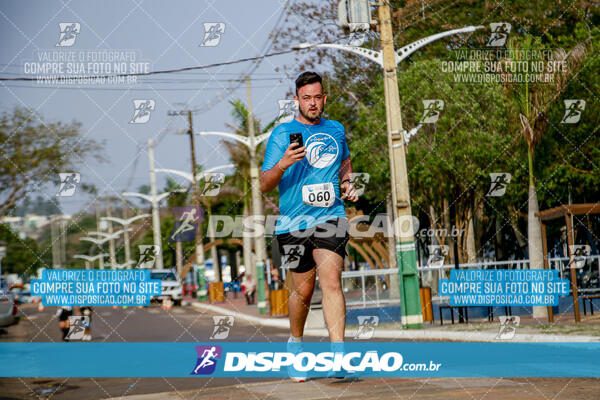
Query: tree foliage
point(33, 152)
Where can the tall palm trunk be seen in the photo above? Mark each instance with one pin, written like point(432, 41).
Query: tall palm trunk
point(534, 234)
point(247, 243)
point(470, 245)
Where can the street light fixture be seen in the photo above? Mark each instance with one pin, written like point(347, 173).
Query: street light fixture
point(90, 259)
point(189, 177)
point(109, 236)
point(98, 242)
point(400, 55)
point(154, 200)
point(126, 223)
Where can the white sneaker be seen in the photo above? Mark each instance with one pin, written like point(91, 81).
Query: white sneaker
point(295, 348)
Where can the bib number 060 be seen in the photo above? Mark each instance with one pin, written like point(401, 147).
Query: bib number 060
point(319, 195)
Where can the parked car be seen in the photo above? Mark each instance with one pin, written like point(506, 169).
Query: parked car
point(171, 286)
point(22, 295)
point(8, 308)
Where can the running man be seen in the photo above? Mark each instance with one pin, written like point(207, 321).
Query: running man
point(312, 214)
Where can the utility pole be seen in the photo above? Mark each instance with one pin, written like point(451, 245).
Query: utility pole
point(155, 215)
point(126, 233)
point(55, 244)
point(111, 242)
point(394, 281)
point(201, 293)
point(63, 242)
point(213, 250)
point(100, 259)
point(405, 244)
point(256, 209)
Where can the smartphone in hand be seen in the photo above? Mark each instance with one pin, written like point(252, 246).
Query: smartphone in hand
point(296, 138)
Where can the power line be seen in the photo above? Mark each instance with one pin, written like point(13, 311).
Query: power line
point(120, 88)
point(164, 71)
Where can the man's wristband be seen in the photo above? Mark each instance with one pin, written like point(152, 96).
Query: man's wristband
point(346, 180)
point(279, 166)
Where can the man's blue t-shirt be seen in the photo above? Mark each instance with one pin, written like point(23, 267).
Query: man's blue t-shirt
point(326, 148)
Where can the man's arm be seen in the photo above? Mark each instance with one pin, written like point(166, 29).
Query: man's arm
point(347, 186)
point(269, 179)
point(345, 169)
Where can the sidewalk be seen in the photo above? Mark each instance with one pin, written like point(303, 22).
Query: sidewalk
point(396, 388)
point(563, 330)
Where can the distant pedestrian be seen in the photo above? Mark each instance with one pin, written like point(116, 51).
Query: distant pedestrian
point(249, 288)
point(87, 312)
point(63, 314)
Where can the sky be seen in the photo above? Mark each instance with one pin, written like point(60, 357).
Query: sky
point(156, 35)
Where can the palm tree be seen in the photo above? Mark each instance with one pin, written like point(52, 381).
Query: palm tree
point(533, 100)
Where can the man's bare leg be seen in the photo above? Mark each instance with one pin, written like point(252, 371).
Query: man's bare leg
point(329, 267)
point(303, 285)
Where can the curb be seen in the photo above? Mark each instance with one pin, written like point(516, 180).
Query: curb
point(277, 323)
point(422, 334)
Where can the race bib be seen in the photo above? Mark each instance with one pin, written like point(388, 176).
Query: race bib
point(318, 195)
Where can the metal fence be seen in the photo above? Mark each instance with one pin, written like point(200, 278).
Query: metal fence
point(368, 287)
point(365, 287)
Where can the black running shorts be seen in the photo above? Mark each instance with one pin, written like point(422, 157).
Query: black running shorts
point(296, 247)
point(64, 314)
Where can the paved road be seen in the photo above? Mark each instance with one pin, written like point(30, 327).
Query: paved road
point(133, 324)
point(150, 324)
point(188, 324)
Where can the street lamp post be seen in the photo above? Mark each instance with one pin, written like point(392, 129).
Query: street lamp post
point(126, 223)
point(257, 208)
point(102, 238)
point(98, 242)
point(388, 58)
point(154, 199)
point(252, 142)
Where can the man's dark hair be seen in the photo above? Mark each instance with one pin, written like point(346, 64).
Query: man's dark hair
point(306, 78)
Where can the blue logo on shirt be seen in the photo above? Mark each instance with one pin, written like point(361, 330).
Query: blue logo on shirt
point(321, 150)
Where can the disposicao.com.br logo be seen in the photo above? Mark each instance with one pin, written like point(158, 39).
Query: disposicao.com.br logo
point(309, 361)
